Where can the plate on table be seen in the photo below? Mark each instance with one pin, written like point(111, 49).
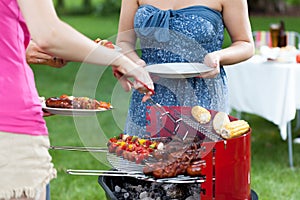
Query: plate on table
point(178, 70)
point(73, 112)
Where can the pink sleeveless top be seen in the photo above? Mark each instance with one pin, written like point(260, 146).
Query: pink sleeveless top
point(20, 109)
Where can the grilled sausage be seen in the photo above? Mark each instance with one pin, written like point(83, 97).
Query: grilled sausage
point(195, 167)
point(55, 102)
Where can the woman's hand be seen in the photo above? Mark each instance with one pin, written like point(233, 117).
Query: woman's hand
point(126, 85)
point(46, 114)
point(142, 81)
point(211, 60)
point(35, 55)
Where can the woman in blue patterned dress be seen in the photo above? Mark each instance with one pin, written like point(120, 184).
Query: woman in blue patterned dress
point(191, 31)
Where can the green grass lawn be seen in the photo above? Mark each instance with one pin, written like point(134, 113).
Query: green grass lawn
point(271, 176)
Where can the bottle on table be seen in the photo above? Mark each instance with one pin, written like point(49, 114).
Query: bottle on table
point(282, 41)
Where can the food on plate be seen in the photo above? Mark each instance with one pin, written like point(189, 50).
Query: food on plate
point(71, 102)
point(234, 129)
point(132, 148)
point(201, 114)
point(57, 102)
point(105, 43)
point(220, 119)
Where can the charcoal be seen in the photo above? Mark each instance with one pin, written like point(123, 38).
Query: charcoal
point(117, 189)
point(126, 195)
point(147, 198)
point(139, 188)
point(143, 195)
point(157, 191)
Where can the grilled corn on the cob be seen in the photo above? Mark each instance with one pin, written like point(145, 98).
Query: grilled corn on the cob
point(219, 121)
point(234, 129)
point(201, 114)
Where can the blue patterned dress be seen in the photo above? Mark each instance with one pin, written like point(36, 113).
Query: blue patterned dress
point(169, 36)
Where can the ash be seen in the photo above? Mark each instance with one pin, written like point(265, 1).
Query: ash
point(157, 191)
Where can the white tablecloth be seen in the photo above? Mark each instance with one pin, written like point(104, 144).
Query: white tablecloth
point(268, 89)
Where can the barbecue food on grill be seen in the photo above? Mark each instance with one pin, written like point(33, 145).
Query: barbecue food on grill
point(105, 43)
point(234, 129)
point(220, 119)
point(195, 168)
point(201, 114)
point(187, 160)
point(65, 101)
point(132, 148)
point(162, 158)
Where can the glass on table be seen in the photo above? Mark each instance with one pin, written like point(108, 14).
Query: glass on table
point(274, 32)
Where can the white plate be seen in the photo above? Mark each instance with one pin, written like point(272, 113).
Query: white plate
point(178, 70)
point(73, 112)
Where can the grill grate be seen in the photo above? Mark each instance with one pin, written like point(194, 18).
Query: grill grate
point(207, 132)
point(124, 165)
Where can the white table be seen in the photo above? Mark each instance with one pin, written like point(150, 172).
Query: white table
point(268, 89)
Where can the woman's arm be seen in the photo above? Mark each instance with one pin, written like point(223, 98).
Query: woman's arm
point(126, 36)
point(237, 23)
point(56, 37)
point(59, 39)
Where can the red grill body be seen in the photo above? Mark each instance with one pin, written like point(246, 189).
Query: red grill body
point(228, 169)
point(228, 162)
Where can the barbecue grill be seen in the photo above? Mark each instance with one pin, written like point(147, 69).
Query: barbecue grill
point(226, 171)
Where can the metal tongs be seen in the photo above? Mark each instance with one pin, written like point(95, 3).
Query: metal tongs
point(156, 105)
point(199, 127)
point(163, 112)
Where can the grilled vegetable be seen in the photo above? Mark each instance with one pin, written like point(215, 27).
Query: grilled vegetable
point(234, 129)
point(131, 147)
point(201, 114)
point(219, 121)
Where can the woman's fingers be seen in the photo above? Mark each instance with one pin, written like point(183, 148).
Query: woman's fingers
point(210, 74)
point(135, 70)
point(211, 60)
point(35, 55)
point(56, 62)
point(147, 96)
point(138, 84)
point(126, 85)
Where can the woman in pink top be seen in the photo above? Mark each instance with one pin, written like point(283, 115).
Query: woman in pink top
point(25, 164)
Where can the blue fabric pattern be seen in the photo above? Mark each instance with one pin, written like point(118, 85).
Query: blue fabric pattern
point(171, 36)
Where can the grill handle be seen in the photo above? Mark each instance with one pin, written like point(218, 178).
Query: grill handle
point(85, 149)
point(103, 173)
point(137, 175)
